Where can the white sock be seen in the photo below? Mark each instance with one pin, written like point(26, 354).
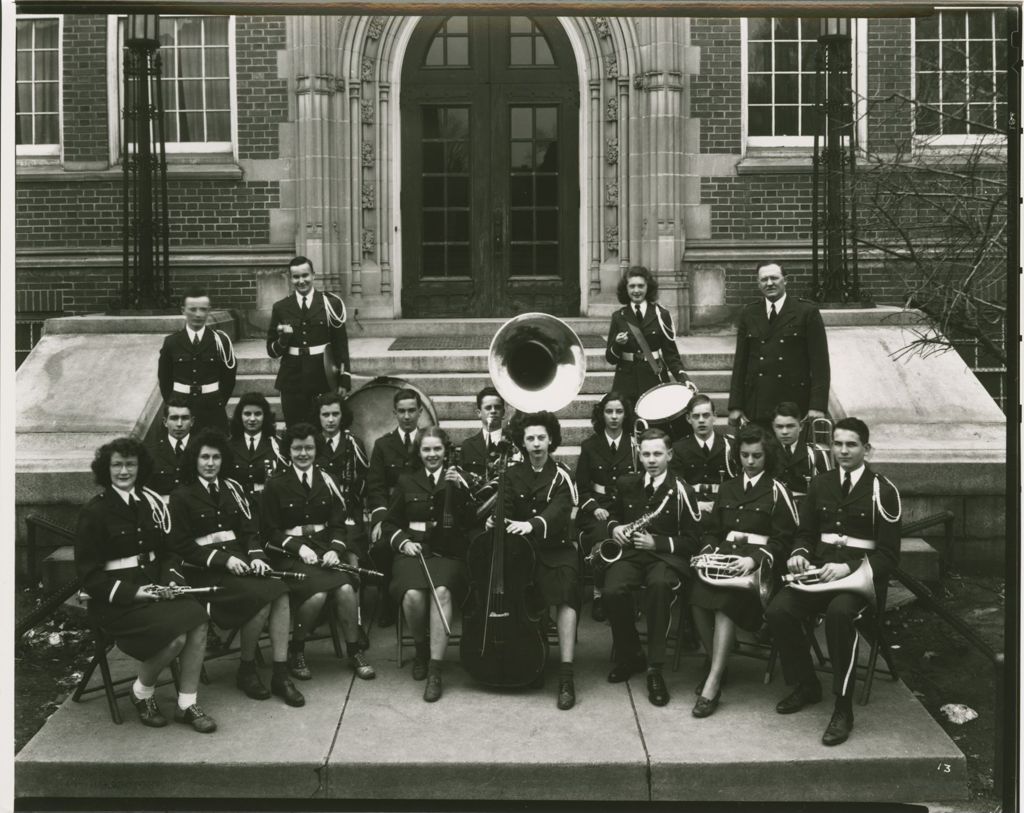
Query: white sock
point(141, 690)
point(186, 700)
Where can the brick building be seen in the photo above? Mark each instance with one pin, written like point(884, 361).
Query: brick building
point(473, 166)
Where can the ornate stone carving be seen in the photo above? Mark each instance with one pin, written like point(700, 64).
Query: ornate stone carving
point(638, 82)
point(315, 230)
point(369, 241)
point(612, 109)
point(603, 29)
point(611, 192)
point(366, 109)
point(611, 238)
point(611, 70)
point(375, 28)
point(611, 149)
point(366, 69)
point(368, 156)
point(369, 194)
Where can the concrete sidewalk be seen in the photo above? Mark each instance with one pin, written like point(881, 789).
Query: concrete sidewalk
point(378, 740)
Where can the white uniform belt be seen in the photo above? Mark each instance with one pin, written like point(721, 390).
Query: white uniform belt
point(706, 488)
point(314, 350)
point(749, 538)
point(305, 530)
point(655, 354)
point(844, 541)
point(195, 389)
point(421, 526)
point(128, 561)
point(598, 488)
point(216, 537)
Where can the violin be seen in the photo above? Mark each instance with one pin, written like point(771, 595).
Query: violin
point(503, 645)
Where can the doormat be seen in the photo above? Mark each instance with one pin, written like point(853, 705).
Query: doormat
point(463, 342)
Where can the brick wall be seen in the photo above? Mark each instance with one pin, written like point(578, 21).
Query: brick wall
point(761, 207)
point(262, 97)
point(85, 88)
point(715, 95)
point(889, 74)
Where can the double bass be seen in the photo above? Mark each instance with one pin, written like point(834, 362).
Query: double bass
point(536, 361)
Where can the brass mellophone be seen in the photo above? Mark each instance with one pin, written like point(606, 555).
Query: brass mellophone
point(860, 581)
point(165, 592)
point(722, 570)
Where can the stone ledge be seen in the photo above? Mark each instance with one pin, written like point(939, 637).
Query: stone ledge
point(126, 323)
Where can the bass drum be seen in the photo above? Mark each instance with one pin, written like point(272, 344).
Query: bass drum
point(664, 406)
point(373, 408)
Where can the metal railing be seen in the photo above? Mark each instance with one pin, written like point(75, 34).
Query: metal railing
point(946, 518)
point(51, 602)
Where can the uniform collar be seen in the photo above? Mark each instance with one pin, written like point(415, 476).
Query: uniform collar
point(309, 297)
point(194, 334)
point(207, 483)
point(855, 476)
point(174, 441)
point(643, 308)
point(255, 439)
point(710, 441)
point(778, 303)
point(752, 481)
point(657, 480)
point(618, 441)
point(124, 495)
point(299, 472)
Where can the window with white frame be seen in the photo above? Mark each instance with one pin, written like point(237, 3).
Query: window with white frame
point(38, 86)
point(960, 74)
point(197, 84)
point(779, 72)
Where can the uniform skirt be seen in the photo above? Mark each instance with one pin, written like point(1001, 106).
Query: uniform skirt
point(742, 606)
point(144, 628)
point(239, 597)
point(557, 576)
point(407, 574)
point(318, 579)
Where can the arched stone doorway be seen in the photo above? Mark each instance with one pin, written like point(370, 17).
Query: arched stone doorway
point(490, 168)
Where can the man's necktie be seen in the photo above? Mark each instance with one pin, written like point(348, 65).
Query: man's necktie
point(408, 443)
point(748, 486)
point(614, 447)
point(333, 444)
point(305, 308)
point(771, 313)
point(847, 484)
point(252, 445)
point(639, 313)
point(305, 481)
point(132, 502)
point(195, 340)
point(649, 488)
point(179, 449)
point(213, 491)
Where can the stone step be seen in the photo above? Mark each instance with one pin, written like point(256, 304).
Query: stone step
point(368, 739)
point(919, 559)
point(391, 328)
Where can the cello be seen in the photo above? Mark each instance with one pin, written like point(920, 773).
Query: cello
point(535, 361)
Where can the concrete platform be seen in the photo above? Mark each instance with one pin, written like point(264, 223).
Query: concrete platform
point(379, 740)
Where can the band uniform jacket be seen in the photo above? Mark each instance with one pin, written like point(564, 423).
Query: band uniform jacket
point(305, 372)
point(387, 461)
point(183, 363)
point(674, 529)
point(195, 515)
point(705, 471)
point(871, 510)
point(543, 499)
point(286, 505)
point(797, 469)
point(477, 458)
point(767, 510)
point(785, 361)
point(597, 472)
point(416, 499)
point(347, 454)
point(167, 472)
point(633, 378)
point(109, 530)
point(253, 468)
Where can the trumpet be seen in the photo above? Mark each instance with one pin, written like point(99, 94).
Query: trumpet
point(166, 592)
point(860, 581)
point(610, 550)
point(722, 570)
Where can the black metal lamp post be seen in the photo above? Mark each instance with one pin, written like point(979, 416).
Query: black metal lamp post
point(146, 283)
point(835, 277)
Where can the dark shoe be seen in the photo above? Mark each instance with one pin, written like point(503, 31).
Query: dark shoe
point(363, 640)
point(362, 667)
point(597, 610)
point(721, 683)
point(286, 690)
point(803, 695)
point(704, 707)
point(839, 727)
point(197, 718)
point(419, 669)
point(566, 694)
point(387, 615)
point(622, 671)
point(249, 682)
point(432, 691)
point(149, 711)
point(297, 666)
point(657, 691)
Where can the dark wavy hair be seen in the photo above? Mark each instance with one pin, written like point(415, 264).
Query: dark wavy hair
point(484, 393)
point(215, 439)
point(296, 262)
point(637, 271)
point(329, 398)
point(788, 409)
point(852, 424)
point(542, 418)
point(751, 434)
point(178, 401)
point(429, 432)
point(597, 415)
point(253, 399)
point(297, 431)
point(406, 395)
point(126, 447)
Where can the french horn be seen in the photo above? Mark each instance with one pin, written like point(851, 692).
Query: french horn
point(860, 581)
point(719, 570)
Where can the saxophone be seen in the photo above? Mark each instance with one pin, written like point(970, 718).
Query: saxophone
point(608, 551)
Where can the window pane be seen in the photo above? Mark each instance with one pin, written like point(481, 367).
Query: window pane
point(46, 97)
point(218, 126)
point(433, 261)
point(954, 58)
point(927, 121)
point(457, 122)
point(928, 56)
point(759, 57)
point(435, 53)
point(23, 130)
point(24, 65)
point(46, 34)
point(433, 157)
point(759, 91)
point(216, 30)
point(431, 118)
point(520, 25)
point(787, 121)
point(547, 190)
point(953, 119)
point(544, 55)
point(433, 191)
point(809, 56)
point(217, 94)
point(190, 62)
point(216, 62)
point(46, 66)
point(982, 88)
point(458, 226)
point(458, 191)
point(760, 121)
point(521, 225)
point(927, 27)
point(458, 261)
point(547, 260)
point(547, 122)
point(759, 28)
point(547, 157)
point(457, 157)
point(954, 87)
point(521, 122)
point(808, 89)
point(458, 51)
point(979, 25)
point(786, 56)
point(547, 225)
point(981, 117)
point(23, 97)
point(785, 28)
point(190, 94)
point(457, 25)
point(520, 50)
point(520, 262)
point(190, 31)
point(954, 25)
point(980, 55)
point(786, 88)
point(521, 155)
point(520, 190)
point(433, 223)
point(191, 126)
point(24, 36)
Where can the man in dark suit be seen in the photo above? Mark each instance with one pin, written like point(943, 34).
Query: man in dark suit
point(781, 354)
point(481, 451)
point(168, 451)
point(307, 332)
point(704, 459)
point(199, 363)
point(797, 463)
